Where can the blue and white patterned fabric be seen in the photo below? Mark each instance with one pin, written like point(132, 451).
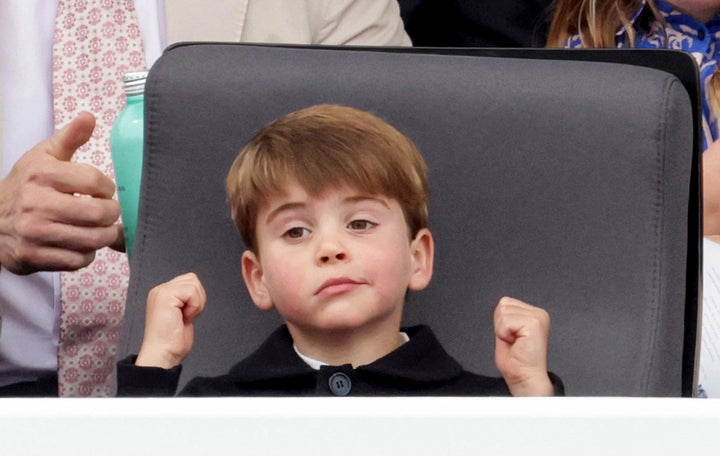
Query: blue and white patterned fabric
point(684, 33)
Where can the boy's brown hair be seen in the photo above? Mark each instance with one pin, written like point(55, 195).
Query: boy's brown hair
point(323, 147)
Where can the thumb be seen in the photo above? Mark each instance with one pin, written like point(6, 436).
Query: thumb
point(68, 139)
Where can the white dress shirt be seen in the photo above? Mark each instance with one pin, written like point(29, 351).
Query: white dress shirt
point(31, 304)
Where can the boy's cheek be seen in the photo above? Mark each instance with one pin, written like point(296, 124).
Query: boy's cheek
point(286, 282)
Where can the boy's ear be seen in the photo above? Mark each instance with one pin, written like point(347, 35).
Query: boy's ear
point(422, 249)
point(253, 275)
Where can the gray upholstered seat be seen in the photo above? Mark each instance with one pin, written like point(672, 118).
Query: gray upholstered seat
point(565, 183)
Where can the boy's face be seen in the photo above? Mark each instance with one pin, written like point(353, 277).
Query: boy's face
point(341, 261)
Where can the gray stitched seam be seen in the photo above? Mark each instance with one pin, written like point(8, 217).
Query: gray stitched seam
point(659, 232)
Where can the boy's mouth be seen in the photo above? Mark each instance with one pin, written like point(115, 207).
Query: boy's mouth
point(336, 286)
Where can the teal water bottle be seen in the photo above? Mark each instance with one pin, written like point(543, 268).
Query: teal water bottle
point(126, 146)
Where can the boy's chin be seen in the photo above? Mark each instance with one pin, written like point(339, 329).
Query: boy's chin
point(347, 326)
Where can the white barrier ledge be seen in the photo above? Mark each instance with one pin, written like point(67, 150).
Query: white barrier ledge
point(360, 426)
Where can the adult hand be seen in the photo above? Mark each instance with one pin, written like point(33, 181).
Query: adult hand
point(54, 214)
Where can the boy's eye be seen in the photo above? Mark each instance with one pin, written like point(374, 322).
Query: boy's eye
point(360, 225)
point(297, 232)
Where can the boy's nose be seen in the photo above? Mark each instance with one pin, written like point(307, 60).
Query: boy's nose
point(331, 250)
point(339, 256)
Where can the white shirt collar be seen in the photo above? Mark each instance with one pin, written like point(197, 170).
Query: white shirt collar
point(315, 364)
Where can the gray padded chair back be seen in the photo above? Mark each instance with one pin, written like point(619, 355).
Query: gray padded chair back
point(563, 183)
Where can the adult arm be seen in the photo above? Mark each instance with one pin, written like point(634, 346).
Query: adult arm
point(361, 22)
point(711, 189)
point(327, 22)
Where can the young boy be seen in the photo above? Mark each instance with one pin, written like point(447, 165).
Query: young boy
point(332, 204)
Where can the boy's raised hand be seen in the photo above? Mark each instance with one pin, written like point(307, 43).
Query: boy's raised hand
point(171, 309)
point(521, 339)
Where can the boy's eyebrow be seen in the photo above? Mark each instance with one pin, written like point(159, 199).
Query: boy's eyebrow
point(282, 208)
point(358, 198)
point(299, 205)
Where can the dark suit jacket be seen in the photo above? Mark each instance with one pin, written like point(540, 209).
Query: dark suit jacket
point(420, 367)
point(479, 23)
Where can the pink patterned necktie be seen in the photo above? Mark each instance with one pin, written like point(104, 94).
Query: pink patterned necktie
point(95, 43)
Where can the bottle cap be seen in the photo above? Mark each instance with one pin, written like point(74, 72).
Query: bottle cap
point(134, 83)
